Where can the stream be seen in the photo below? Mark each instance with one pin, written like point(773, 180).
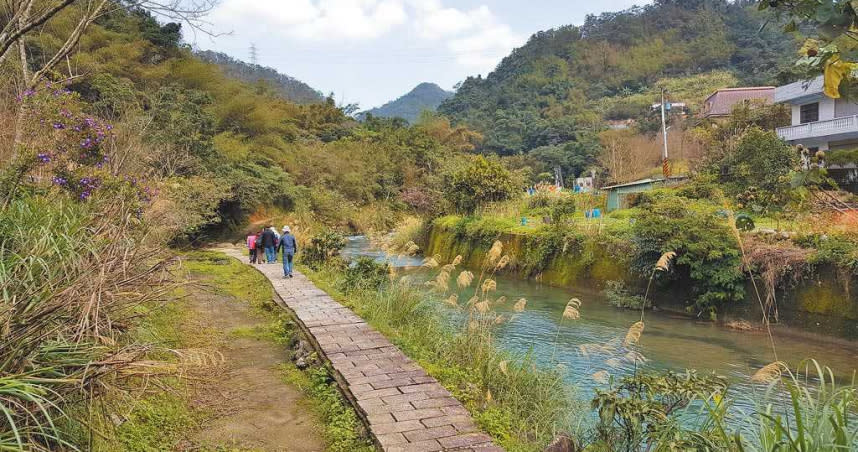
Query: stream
point(668, 342)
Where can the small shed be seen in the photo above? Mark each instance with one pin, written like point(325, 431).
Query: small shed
point(618, 194)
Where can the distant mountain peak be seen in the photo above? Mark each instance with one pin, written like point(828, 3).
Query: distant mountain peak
point(425, 96)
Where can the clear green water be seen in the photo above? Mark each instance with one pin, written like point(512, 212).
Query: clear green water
point(668, 342)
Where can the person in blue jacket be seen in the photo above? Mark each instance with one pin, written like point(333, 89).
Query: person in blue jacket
point(289, 246)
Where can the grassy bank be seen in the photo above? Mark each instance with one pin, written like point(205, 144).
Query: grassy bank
point(520, 405)
point(162, 419)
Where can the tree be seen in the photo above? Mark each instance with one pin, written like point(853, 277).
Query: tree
point(479, 183)
point(756, 170)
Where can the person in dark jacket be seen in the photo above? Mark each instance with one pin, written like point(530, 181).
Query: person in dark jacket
point(259, 248)
point(269, 243)
point(289, 246)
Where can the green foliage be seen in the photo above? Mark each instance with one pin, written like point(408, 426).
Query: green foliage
point(839, 250)
point(644, 409)
point(707, 252)
point(481, 182)
point(156, 423)
point(757, 169)
point(323, 248)
point(618, 295)
point(563, 208)
point(365, 273)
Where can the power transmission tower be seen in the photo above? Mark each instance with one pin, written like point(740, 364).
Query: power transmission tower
point(253, 54)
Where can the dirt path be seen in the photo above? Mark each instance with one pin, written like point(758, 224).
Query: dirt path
point(253, 408)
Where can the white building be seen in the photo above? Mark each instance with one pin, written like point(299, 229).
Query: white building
point(821, 123)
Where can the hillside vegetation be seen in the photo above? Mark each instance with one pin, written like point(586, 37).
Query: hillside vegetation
point(552, 96)
point(291, 88)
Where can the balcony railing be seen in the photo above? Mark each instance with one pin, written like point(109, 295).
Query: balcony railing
point(818, 129)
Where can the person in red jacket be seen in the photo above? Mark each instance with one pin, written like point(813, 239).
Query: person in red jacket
point(251, 247)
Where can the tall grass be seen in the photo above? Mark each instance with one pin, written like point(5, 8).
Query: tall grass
point(521, 404)
point(70, 276)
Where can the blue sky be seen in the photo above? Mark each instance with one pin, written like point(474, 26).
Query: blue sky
point(372, 51)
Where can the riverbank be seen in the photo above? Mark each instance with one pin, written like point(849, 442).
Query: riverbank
point(591, 253)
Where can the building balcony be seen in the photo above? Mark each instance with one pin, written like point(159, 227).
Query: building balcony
point(831, 129)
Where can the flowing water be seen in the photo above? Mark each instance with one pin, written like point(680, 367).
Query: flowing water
point(668, 342)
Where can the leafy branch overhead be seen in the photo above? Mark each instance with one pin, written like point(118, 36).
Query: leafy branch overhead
point(832, 48)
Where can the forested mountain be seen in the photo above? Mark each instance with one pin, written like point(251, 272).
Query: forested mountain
point(425, 96)
point(292, 89)
point(564, 83)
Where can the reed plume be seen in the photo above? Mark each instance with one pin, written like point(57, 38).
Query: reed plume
point(572, 309)
point(429, 262)
point(503, 262)
point(663, 263)
point(634, 334)
point(495, 252)
point(452, 300)
point(769, 373)
point(465, 279)
point(503, 367)
point(457, 260)
point(520, 305)
point(482, 307)
point(489, 285)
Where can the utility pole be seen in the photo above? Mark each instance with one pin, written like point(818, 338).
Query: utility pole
point(253, 54)
point(665, 163)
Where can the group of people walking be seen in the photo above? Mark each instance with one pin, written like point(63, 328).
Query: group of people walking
point(269, 242)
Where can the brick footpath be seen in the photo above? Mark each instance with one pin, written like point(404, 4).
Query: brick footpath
point(404, 408)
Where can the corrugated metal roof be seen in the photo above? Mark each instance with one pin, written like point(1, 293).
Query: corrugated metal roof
point(798, 91)
point(637, 182)
point(721, 102)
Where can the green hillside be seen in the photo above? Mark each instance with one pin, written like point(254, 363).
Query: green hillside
point(425, 96)
point(290, 88)
point(565, 82)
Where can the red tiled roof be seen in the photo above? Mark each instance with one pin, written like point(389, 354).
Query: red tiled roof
point(721, 102)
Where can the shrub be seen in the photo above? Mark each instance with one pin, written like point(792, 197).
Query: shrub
point(707, 252)
point(619, 296)
point(365, 273)
point(323, 248)
point(479, 183)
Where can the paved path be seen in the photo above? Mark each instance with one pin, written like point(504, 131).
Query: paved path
point(404, 408)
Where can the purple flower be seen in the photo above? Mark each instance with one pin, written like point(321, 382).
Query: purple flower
point(84, 195)
point(87, 143)
point(59, 125)
point(44, 158)
point(59, 180)
point(29, 93)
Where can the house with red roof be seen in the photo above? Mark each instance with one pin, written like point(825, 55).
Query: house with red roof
point(721, 103)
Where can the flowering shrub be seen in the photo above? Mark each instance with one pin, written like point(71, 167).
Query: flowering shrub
point(66, 148)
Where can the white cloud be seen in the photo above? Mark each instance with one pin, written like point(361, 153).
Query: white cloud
point(474, 38)
point(317, 20)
